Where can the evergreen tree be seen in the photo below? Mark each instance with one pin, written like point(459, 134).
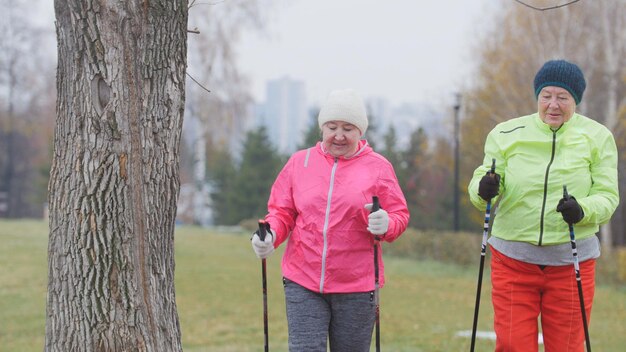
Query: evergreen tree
point(371, 135)
point(313, 133)
point(259, 166)
point(413, 160)
point(391, 152)
point(222, 173)
point(436, 188)
point(394, 155)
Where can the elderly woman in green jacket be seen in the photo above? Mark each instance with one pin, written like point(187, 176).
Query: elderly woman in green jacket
point(536, 155)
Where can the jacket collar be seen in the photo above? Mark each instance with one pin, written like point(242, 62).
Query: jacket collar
point(547, 129)
point(362, 148)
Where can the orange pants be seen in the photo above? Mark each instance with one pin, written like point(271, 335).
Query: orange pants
point(521, 292)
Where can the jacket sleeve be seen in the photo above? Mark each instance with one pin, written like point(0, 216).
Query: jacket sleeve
point(280, 206)
point(492, 151)
point(603, 196)
point(394, 204)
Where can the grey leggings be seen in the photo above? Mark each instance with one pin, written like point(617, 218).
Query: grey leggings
point(346, 320)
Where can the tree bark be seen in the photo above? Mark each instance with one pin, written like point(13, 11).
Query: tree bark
point(114, 179)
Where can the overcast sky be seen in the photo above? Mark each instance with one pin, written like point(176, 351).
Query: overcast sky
point(402, 50)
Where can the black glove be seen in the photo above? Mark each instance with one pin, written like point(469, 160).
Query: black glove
point(489, 186)
point(570, 210)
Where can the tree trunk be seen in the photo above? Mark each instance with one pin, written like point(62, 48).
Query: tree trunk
point(114, 179)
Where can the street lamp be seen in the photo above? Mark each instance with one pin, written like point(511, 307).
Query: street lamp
point(457, 108)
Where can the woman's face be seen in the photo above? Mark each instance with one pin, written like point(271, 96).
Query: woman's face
point(340, 138)
point(555, 105)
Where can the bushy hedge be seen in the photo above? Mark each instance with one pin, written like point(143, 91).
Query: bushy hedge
point(450, 247)
point(463, 249)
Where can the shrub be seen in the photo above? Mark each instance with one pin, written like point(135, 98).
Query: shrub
point(463, 249)
point(450, 247)
point(249, 225)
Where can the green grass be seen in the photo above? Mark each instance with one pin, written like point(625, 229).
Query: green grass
point(218, 291)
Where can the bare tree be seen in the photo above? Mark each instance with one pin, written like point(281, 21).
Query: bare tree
point(613, 49)
point(216, 120)
point(213, 62)
point(25, 97)
point(114, 179)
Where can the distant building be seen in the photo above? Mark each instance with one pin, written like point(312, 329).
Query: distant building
point(405, 118)
point(285, 113)
point(286, 116)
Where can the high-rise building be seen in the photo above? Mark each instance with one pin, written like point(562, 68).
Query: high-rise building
point(285, 113)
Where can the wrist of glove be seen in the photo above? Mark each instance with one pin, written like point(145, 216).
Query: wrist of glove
point(571, 211)
point(378, 221)
point(489, 186)
point(263, 248)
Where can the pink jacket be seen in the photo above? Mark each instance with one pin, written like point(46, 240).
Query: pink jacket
point(317, 205)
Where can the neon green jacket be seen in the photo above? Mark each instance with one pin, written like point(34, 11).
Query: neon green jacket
point(534, 163)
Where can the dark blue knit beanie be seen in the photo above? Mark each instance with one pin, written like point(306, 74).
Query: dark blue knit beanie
point(561, 73)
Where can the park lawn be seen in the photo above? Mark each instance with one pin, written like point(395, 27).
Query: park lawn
point(218, 291)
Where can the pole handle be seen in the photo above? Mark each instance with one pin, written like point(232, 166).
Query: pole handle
point(493, 166)
point(262, 229)
point(375, 204)
point(565, 194)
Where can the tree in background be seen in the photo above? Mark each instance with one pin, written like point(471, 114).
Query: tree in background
point(114, 179)
point(440, 187)
point(213, 63)
point(312, 135)
point(222, 173)
point(589, 33)
point(390, 148)
point(372, 134)
point(245, 196)
point(26, 111)
point(424, 173)
point(395, 156)
point(214, 121)
point(412, 168)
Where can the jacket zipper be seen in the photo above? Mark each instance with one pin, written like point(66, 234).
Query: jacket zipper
point(545, 186)
point(326, 220)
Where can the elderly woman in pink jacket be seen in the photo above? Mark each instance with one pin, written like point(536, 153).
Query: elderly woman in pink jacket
point(320, 205)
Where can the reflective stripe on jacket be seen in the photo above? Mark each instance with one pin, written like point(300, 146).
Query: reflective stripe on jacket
point(317, 205)
point(534, 163)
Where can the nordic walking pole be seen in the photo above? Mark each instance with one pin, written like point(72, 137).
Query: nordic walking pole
point(578, 279)
point(375, 207)
point(262, 233)
point(483, 251)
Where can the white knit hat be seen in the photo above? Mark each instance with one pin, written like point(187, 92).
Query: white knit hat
point(344, 105)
